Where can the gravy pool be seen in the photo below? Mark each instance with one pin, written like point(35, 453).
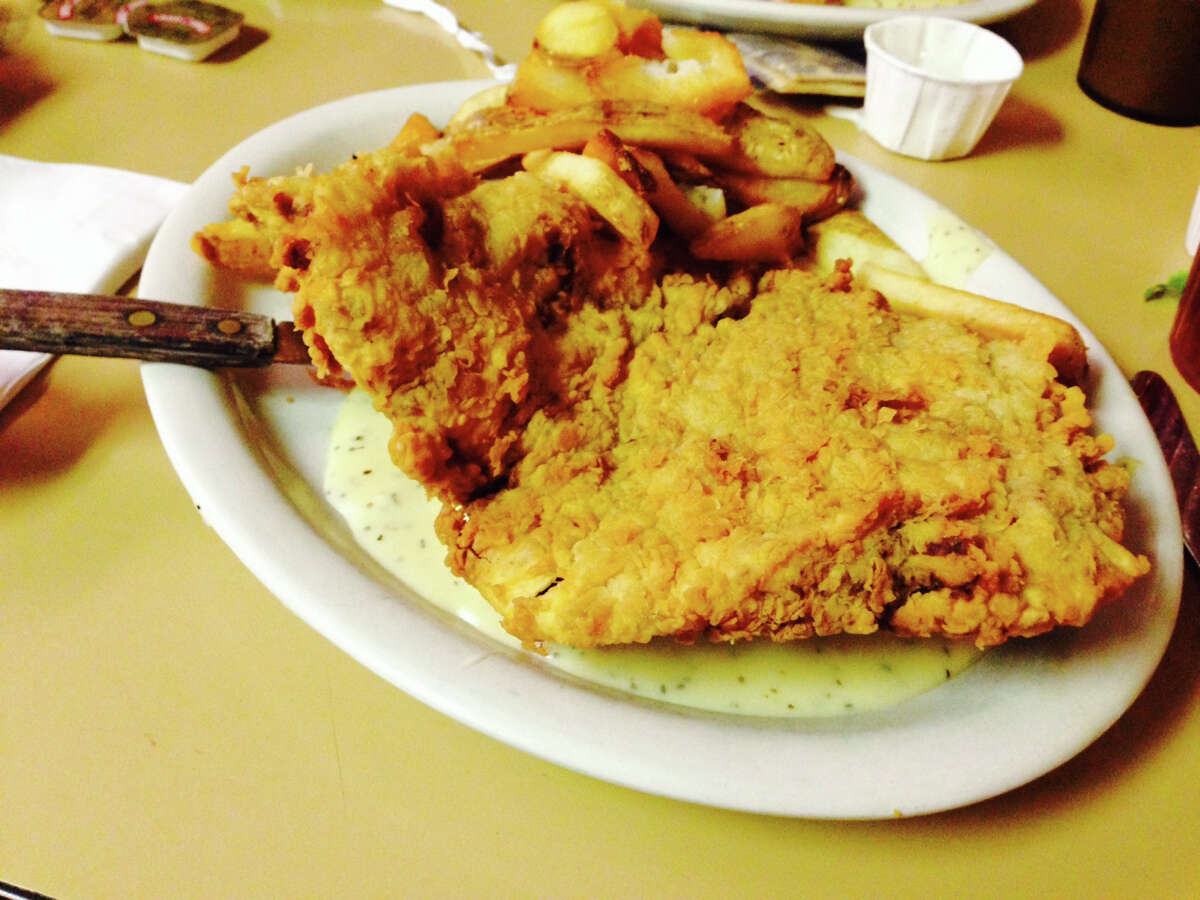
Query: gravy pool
point(392, 520)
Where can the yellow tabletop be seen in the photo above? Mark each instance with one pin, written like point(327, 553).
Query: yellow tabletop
point(168, 728)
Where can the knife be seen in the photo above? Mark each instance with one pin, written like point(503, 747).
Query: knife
point(1183, 460)
point(103, 325)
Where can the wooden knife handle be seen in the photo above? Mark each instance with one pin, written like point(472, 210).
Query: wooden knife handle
point(1179, 449)
point(101, 325)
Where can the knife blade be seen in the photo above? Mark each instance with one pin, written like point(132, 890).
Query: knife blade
point(128, 327)
point(1179, 449)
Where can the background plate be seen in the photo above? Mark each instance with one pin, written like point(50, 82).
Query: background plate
point(815, 21)
point(250, 448)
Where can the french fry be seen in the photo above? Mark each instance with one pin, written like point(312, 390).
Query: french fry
point(673, 206)
point(849, 234)
point(641, 30)
point(488, 98)
point(544, 84)
point(597, 185)
point(577, 30)
point(769, 232)
point(701, 71)
point(492, 135)
point(644, 171)
point(417, 131)
point(1054, 338)
point(707, 198)
point(589, 50)
point(608, 148)
point(686, 164)
point(815, 199)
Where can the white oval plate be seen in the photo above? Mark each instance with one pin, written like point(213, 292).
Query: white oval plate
point(250, 448)
point(803, 20)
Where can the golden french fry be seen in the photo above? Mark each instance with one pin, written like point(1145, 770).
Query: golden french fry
point(492, 135)
point(673, 206)
point(765, 145)
point(577, 30)
point(597, 185)
point(641, 30)
point(608, 148)
point(702, 71)
point(849, 234)
point(815, 199)
point(488, 98)
point(643, 171)
point(686, 165)
point(769, 232)
point(1058, 340)
point(544, 84)
point(707, 198)
point(417, 131)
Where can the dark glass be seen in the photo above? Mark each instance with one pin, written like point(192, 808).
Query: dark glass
point(1142, 59)
point(1185, 333)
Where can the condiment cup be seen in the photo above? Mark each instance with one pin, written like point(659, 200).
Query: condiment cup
point(934, 84)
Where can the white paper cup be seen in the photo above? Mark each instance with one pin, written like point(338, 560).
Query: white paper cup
point(934, 84)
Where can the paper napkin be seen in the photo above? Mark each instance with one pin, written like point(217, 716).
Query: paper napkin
point(66, 227)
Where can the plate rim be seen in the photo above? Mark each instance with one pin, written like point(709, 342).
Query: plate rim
point(712, 760)
point(818, 21)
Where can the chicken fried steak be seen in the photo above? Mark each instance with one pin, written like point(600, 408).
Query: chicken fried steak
point(632, 444)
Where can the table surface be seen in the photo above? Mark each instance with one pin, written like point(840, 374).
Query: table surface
point(167, 727)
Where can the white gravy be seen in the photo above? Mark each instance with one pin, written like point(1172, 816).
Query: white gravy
point(955, 250)
point(392, 520)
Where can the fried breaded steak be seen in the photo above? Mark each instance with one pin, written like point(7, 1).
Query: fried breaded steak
point(818, 466)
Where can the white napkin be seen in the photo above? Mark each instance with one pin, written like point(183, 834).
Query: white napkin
point(73, 228)
point(449, 22)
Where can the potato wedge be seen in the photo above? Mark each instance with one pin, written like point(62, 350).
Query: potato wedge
point(765, 145)
point(492, 135)
point(769, 232)
point(597, 185)
point(815, 199)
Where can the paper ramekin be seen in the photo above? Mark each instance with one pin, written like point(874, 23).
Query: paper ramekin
point(934, 84)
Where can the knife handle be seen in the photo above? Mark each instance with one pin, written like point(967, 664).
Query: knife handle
point(101, 325)
point(1178, 447)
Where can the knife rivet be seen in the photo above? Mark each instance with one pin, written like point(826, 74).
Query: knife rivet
point(229, 326)
point(140, 318)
